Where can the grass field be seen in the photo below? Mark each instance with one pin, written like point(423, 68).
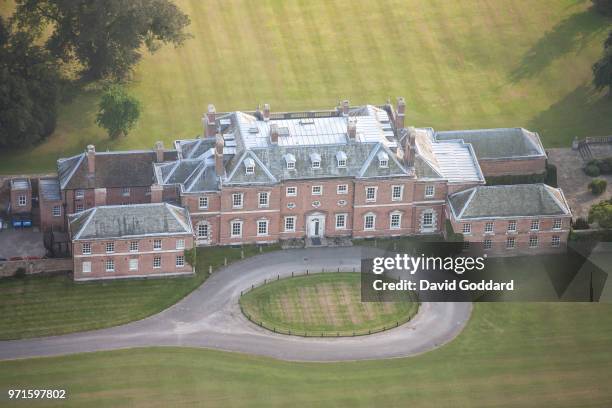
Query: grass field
point(460, 64)
point(510, 355)
point(323, 303)
point(48, 305)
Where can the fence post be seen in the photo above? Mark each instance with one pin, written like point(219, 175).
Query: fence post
point(292, 274)
point(278, 277)
point(306, 272)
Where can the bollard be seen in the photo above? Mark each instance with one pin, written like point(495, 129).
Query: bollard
point(375, 243)
point(260, 249)
point(277, 277)
point(338, 269)
point(210, 269)
point(225, 261)
point(306, 272)
point(242, 254)
point(292, 274)
point(353, 269)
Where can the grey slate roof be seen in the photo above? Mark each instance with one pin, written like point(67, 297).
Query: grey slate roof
point(113, 169)
point(121, 221)
point(49, 189)
point(498, 143)
point(20, 184)
point(519, 200)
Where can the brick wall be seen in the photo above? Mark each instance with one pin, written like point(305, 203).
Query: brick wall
point(502, 167)
point(36, 266)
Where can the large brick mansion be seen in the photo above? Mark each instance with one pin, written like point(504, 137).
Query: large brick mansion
point(262, 176)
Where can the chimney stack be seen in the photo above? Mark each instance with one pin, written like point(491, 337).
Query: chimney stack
point(401, 112)
point(91, 160)
point(409, 147)
point(219, 167)
point(210, 122)
point(159, 151)
point(157, 193)
point(351, 129)
point(345, 108)
point(274, 133)
point(266, 112)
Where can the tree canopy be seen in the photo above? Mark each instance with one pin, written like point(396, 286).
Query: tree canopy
point(602, 69)
point(602, 214)
point(29, 89)
point(603, 6)
point(118, 112)
point(104, 36)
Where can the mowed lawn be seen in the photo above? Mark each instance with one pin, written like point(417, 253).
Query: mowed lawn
point(37, 306)
point(323, 303)
point(510, 355)
point(460, 64)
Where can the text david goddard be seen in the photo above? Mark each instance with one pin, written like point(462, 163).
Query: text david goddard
point(447, 285)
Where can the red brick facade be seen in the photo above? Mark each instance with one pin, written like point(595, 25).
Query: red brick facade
point(514, 167)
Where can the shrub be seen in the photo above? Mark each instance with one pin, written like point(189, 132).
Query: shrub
point(592, 170)
point(598, 186)
point(605, 165)
point(580, 224)
point(602, 213)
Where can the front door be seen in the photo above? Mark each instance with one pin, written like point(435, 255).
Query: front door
point(316, 226)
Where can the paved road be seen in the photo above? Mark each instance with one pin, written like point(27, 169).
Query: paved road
point(210, 317)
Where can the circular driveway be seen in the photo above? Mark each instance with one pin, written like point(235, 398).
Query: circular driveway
point(210, 317)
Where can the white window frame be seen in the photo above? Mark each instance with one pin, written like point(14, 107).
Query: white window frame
point(125, 191)
point(293, 220)
point(399, 220)
point(342, 189)
point(157, 262)
point(533, 241)
point(365, 222)
point(557, 224)
point(134, 246)
point(267, 228)
point(512, 225)
point(237, 200)
point(430, 191)
point(367, 192)
point(342, 217)
point(79, 207)
point(205, 226)
point(109, 265)
point(467, 228)
point(203, 202)
point(249, 170)
point(86, 267)
point(290, 165)
point(341, 163)
point(232, 223)
point(383, 163)
point(180, 244)
point(316, 164)
point(535, 225)
point(180, 261)
point(133, 264)
point(157, 247)
point(86, 248)
point(426, 215)
point(399, 196)
point(110, 247)
point(489, 227)
point(555, 241)
point(56, 211)
point(22, 200)
point(510, 243)
point(487, 243)
point(317, 190)
point(263, 199)
point(291, 191)
point(79, 194)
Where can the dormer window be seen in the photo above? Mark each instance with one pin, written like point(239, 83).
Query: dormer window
point(290, 160)
point(341, 159)
point(315, 159)
point(249, 165)
point(383, 160)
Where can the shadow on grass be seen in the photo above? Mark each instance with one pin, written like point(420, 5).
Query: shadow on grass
point(583, 112)
point(570, 35)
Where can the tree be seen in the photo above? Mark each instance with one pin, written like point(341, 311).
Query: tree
point(118, 112)
point(104, 36)
point(603, 6)
point(602, 214)
point(29, 89)
point(598, 186)
point(602, 69)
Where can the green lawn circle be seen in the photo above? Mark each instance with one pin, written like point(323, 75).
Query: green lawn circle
point(323, 304)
